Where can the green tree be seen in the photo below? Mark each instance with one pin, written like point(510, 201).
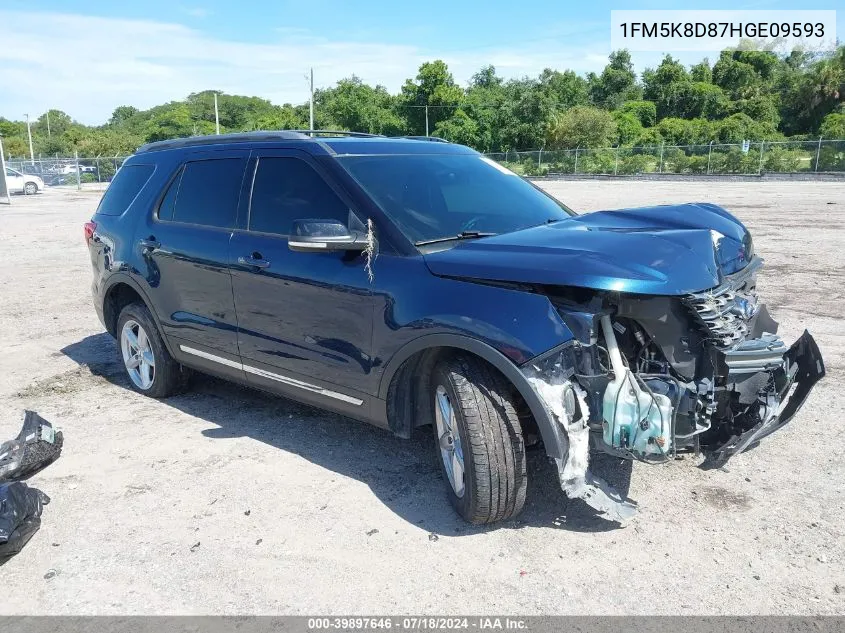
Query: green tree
point(644, 111)
point(617, 82)
point(581, 126)
point(435, 87)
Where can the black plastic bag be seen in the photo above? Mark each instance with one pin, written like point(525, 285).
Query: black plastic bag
point(20, 516)
point(36, 446)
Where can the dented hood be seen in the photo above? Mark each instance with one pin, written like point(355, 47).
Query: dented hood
point(663, 250)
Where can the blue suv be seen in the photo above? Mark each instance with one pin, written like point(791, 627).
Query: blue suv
point(408, 282)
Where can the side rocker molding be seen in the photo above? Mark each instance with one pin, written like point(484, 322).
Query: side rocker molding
point(554, 441)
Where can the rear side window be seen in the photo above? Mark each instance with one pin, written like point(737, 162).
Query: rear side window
point(205, 192)
point(127, 184)
point(288, 189)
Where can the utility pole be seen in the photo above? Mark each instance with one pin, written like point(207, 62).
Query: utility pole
point(29, 133)
point(311, 103)
point(48, 124)
point(426, 120)
point(216, 115)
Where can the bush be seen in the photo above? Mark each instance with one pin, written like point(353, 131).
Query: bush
point(737, 162)
point(530, 167)
point(780, 159)
point(831, 159)
point(597, 162)
point(635, 164)
point(675, 161)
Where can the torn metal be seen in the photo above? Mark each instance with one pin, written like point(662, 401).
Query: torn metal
point(646, 377)
point(567, 402)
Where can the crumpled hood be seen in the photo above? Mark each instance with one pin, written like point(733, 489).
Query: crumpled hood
point(662, 250)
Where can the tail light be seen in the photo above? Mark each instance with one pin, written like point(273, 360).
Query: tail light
point(89, 229)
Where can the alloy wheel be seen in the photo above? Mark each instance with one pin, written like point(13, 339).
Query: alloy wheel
point(138, 357)
point(449, 440)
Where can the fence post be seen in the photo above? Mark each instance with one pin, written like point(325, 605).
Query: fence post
point(616, 166)
point(575, 171)
point(660, 169)
point(818, 153)
point(540, 159)
point(709, 154)
point(78, 176)
point(98, 168)
point(760, 168)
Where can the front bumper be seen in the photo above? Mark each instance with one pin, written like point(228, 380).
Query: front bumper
point(802, 368)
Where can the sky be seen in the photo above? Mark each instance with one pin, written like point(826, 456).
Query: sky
point(87, 58)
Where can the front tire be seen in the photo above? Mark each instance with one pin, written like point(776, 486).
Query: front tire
point(478, 439)
point(149, 366)
point(30, 189)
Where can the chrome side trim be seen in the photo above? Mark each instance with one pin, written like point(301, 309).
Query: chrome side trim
point(293, 382)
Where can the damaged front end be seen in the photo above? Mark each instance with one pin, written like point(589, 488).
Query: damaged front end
point(647, 377)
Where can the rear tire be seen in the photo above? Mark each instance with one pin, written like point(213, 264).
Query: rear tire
point(149, 366)
point(481, 451)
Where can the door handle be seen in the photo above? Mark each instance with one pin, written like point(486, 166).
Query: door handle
point(255, 262)
point(150, 243)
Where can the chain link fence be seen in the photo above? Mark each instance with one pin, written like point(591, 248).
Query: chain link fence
point(753, 158)
point(68, 171)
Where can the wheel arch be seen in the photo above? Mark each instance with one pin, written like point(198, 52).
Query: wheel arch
point(401, 392)
point(120, 292)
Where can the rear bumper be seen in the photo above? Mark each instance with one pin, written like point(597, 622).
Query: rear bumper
point(801, 369)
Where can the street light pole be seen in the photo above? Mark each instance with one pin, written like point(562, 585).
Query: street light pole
point(311, 103)
point(29, 133)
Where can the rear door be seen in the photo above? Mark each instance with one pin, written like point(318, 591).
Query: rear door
point(305, 319)
point(185, 246)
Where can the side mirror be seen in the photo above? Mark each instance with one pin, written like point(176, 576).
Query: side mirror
point(319, 236)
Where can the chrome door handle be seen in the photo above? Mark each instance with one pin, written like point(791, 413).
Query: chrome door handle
point(150, 244)
point(254, 262)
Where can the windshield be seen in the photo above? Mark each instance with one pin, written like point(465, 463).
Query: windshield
point(433, 196)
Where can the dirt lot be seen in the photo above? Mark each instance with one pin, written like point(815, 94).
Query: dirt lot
point(226, 500)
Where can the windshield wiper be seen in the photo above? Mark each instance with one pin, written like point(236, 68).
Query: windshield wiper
point(463, 235)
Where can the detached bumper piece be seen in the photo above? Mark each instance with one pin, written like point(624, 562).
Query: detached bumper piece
point(797, 372)
point(37, 445)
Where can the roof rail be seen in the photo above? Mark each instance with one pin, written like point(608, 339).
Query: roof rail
point(337, 133)
point(215, 139)
point(434, 139)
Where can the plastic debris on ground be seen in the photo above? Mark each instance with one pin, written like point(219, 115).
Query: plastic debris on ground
point(20, 516)
point(37, 445)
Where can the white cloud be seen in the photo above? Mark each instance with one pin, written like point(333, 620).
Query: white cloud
point(87, 66)
point(195, 12)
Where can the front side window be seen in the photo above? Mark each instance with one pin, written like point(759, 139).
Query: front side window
point(288, 189)
point(433, 196)
point(207, 193)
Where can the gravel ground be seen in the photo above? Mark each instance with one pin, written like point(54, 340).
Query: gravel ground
point(226, 500)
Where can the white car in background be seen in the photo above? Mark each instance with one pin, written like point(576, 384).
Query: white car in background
point(16, 182)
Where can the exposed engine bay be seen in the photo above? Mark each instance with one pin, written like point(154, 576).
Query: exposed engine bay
point(650, 377)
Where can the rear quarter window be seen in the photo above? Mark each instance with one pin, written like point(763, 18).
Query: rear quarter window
point(127, 184)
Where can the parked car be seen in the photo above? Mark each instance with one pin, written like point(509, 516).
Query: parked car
point(23, 183)
point(409, 283)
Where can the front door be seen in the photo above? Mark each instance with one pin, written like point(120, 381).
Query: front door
point(304, 319)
